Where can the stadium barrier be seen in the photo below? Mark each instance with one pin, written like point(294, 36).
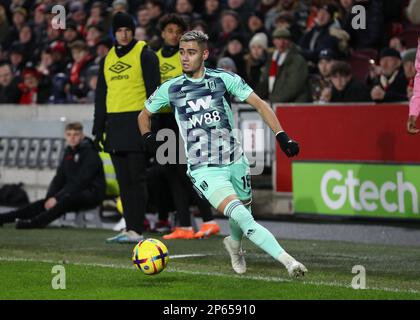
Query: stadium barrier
point(361, 138)
point(355, 160)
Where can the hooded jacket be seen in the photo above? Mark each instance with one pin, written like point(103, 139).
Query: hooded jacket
point(80, 171)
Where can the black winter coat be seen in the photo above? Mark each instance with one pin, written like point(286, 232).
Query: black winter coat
point(80, 170)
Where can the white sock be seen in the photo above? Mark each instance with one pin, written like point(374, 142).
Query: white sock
point(285, 258)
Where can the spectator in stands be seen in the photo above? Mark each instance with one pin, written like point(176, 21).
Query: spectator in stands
point(78, 70)
point(373, 35)
point(286, 74)
point(78, 14)
point(58, 51)
point(141, 34)
point(156, 10)
point(229, 25)
point(92, 80)
point(321, 80)
point(185, 8)
point(235, 50)
point(99, 15)
point(144, 21)
point(17, 58)
point(345, 88)
point(242, 7)
point(31, 52)
point(45, 64)
point(286, 21)
point(227, 64)
point(93, 36)
point(102, 48)
point(71, 34)
point(19, 19)
point(321, 36)
point(413, 11)
point(414, 110)
point(299, 10)
point(33, 90)
point(255, 24)
point(9, 91)
point(79, 184)
point(119, 6)
point(398, 44)
point(408, 62)
point(4, 24)
point(211, 13)
point(256, 60)
point(391, 84)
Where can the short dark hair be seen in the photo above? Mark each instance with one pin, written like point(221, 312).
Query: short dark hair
point(76, 126)
point(172, 18)
point(341, 68)
point(5, 63)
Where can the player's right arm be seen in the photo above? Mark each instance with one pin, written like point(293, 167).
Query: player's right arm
point(153, 104)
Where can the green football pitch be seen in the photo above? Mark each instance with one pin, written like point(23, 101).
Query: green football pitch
point(197, 269)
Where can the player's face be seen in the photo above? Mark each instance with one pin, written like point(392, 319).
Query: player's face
point(171, 34)
point(73, 137)
point(124, 36)
point(192, 57)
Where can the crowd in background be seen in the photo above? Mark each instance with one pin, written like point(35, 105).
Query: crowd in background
point(287, 50)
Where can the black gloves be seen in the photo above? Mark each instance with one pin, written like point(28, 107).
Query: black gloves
point(149, 140)
point(287, 145)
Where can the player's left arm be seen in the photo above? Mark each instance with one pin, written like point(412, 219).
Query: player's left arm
point(287, 145)
point(239, 88)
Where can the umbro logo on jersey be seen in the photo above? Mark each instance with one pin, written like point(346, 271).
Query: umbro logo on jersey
point(119, 67)
point(165, 68)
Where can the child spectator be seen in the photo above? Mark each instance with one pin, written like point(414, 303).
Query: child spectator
point(345, 88)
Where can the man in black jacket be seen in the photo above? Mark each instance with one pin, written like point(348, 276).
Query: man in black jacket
point(128, 75)
point(78, 184)
point(391, 84)
point(345, 88)
point(9, 91)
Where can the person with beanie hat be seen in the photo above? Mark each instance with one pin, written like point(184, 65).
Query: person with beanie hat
point(127, 76)
point(259, 39)
point(391, 84)
point(256, 60)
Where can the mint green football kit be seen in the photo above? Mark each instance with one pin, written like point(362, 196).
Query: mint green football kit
point(217, 165)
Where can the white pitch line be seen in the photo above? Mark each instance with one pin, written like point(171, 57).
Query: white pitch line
point(218, 274)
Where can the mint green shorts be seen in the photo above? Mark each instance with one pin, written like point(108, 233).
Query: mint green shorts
point(217, 183)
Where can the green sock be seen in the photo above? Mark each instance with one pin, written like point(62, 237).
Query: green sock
point(255, 232)
point(235, 231)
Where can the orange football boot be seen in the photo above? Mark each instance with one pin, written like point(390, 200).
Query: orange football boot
point(207, 229)
point(180, 233)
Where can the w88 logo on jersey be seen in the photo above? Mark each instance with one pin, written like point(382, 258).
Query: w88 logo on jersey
point(206, 118)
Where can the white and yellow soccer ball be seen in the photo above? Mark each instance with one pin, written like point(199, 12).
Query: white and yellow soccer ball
point(150, 256)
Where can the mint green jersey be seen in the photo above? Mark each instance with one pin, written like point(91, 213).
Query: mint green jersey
point(204, 116)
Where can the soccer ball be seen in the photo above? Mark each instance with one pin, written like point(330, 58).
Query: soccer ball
point(150, 256)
